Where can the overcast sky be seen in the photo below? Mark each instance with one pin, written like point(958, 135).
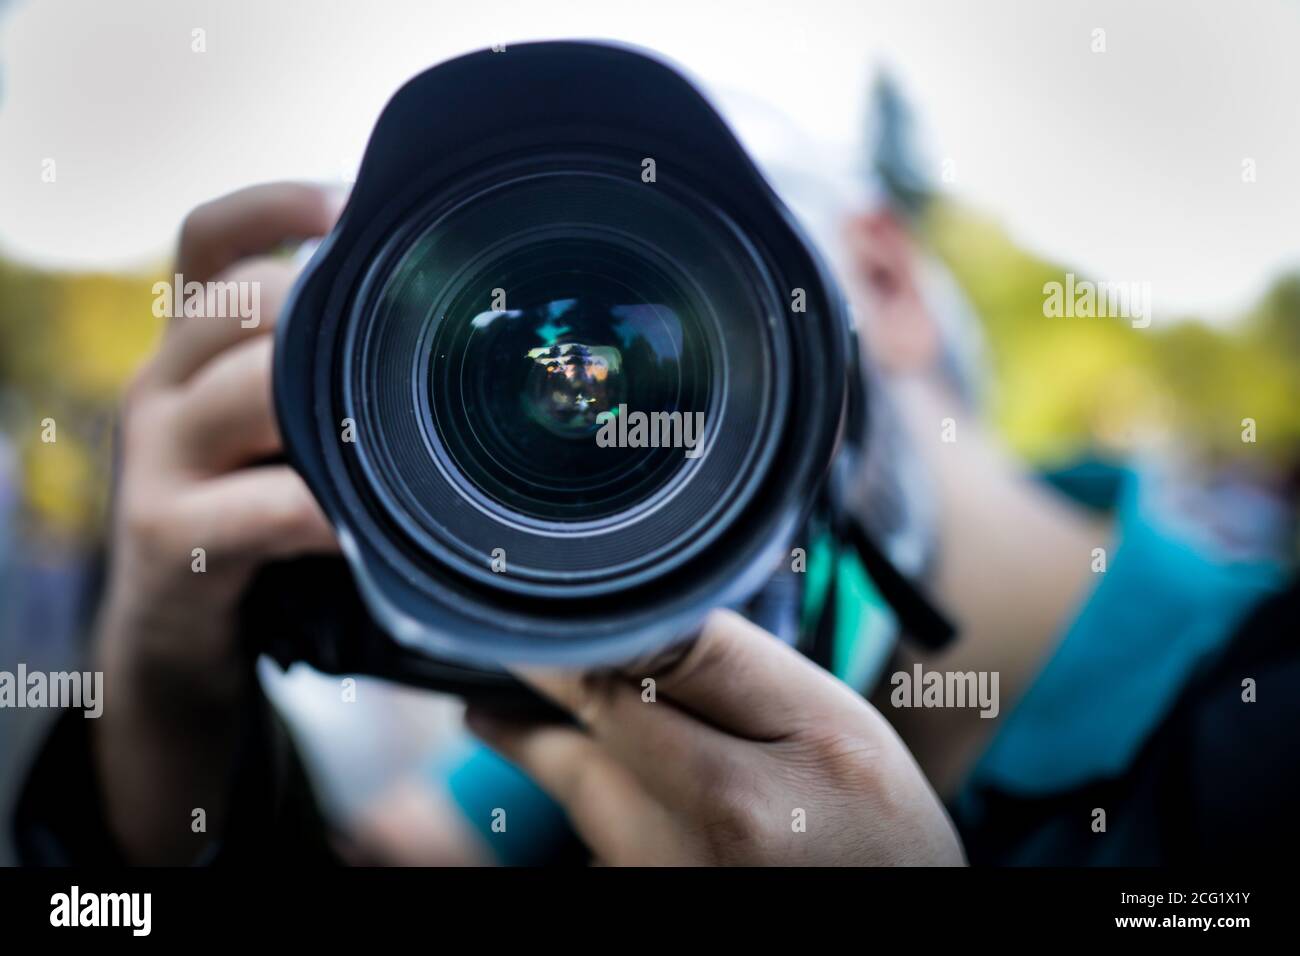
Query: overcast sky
point(1126, 165)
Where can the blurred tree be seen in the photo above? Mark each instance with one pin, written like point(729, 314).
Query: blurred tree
point(1062, 385)
point(67, 345)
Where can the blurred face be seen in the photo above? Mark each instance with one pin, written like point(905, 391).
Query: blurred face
point(902, 337)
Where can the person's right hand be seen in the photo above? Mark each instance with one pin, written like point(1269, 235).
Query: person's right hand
point(746, 753)
point(196, 422)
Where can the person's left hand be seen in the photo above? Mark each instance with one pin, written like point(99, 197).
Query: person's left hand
point(750, 754)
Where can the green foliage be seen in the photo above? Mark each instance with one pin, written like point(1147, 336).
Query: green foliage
point(68, 343)
point(1063, 385)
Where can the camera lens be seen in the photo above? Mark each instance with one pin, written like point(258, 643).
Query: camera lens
point(574, 367)
point(587, 329)
point(557, 406)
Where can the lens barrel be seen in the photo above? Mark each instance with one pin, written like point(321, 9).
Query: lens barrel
point(566, 375)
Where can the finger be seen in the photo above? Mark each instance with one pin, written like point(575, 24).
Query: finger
point(225, 416)
point(616, 819)
point(675, 756)
point(250, 222)
point(745, 681)
point(255, 515)
point(190, 342)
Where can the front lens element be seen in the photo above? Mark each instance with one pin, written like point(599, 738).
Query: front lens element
point(588, 330)
point(576, 368)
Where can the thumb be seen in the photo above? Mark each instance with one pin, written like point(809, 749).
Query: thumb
point(743, 680)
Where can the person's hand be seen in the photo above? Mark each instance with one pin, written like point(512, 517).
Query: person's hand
point(749, 754)
point(195, 423)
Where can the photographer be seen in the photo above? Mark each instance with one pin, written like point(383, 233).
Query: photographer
point(713, 772)
point(749, 753)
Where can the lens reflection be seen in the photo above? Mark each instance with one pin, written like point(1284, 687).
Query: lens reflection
point(530, 355)
point(569, 383)
point(519, 392)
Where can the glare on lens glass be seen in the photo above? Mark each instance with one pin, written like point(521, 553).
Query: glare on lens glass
point(570, 384)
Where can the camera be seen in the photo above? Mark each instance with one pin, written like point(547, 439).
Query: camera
point(565, 376)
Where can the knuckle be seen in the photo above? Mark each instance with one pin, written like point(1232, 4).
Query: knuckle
point(593, 698)
point(841, 759)
point(735, 827)
point(196, 227)
point(145, 422)
point(148, 523)
point(710, 654)
point(141, 388)
point(718, 777)
point(295, 519)
point(290, 512)
point(133, 394)
point(318, 207)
